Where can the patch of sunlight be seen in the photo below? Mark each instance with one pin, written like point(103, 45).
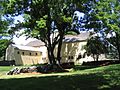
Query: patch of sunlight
point(104, 87)
point(107, 76)
point(114, 82)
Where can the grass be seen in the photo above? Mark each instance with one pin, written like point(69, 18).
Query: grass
point(79, 78)
point(4, 70)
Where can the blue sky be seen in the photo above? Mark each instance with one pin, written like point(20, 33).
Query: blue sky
point(20, 18)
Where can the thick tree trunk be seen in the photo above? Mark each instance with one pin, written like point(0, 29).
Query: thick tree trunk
point(59, 49)
point(51, 56)
point(50, 47)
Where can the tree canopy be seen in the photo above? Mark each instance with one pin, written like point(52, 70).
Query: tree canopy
point(108, 13)
point(50, 20)
point(95, 47)
point(43, 17)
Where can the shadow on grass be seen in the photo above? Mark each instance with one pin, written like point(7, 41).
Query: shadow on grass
point(73, 82)
point(83, 67)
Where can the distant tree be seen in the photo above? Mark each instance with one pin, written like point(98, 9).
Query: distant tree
point(95, 47)
point(3, 46)
point(4, 28)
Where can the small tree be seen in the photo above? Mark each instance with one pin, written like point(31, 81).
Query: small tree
point(95, 47)
point(3, 46)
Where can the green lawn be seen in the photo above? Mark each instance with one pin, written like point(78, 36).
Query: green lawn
point(79, 78)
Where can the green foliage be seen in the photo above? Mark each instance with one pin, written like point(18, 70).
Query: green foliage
point(41, 23)
point(4, 26)
point(3, 46)
point(4, 21)
point(95, 47)
point(39, 16)
point(108, 12)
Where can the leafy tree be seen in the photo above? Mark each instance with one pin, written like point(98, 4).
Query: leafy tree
point(43, 17)
point(4, 26)
point(95, 47)
point(3, 46)
point(108, 12)
point(3, 23)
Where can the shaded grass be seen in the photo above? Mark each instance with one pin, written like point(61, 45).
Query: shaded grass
point(76, 82)
point(79, 78)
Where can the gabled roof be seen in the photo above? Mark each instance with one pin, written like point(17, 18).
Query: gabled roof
point(28, 48)
point(68, 38)
point(36, 43)
point(77, 38)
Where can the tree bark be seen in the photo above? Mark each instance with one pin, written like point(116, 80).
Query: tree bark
point(97, 57)
point(49, 55)
point(59, 49)
point(118, 44)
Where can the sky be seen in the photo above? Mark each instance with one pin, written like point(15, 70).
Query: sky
point(20, 18)
point(22, 39)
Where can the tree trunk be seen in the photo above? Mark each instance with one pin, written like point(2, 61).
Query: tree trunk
point(59, 49)
point(97, 57)
point(118, 44)
point(50, 47)
point(51, 56)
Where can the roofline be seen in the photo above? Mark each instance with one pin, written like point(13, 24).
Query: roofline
point(75, 41)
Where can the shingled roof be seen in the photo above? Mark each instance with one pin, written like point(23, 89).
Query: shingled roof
point(28, 48)
point(77, 38)
point(68, 38)
point(36, 43)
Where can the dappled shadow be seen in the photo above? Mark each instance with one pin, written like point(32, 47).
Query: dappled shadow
point(68, 82)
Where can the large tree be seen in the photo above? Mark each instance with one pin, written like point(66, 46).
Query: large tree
point(108, 13)
point(43, 17)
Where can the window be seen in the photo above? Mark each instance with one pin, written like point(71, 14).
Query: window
point(30, 54)
point(70, 57)
point(36, 54)
point(18, 52)
point(44, 58)
point(23, 53)
point(79, 56)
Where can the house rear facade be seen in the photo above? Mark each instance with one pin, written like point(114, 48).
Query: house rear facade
point(24, 55)
point(35, 52)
